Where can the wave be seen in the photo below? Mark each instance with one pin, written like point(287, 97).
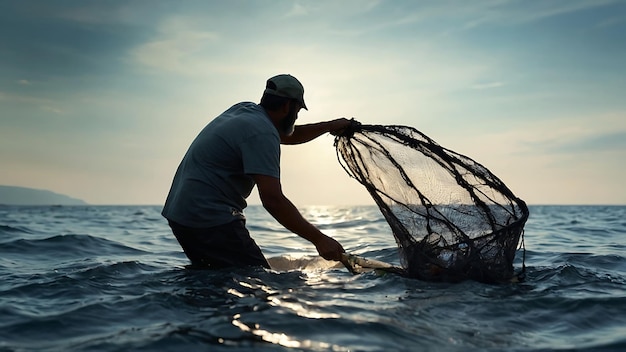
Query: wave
point(6, 229)
point(64, 247)
point(575, 278)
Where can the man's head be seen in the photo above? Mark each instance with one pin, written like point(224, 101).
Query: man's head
point(286, 86)
point(283, 97)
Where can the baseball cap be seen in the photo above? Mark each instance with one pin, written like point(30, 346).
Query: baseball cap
point(287, 86)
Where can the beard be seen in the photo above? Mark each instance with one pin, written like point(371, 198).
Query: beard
point(289, 122)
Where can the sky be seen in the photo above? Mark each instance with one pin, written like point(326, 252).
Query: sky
point(99, 100)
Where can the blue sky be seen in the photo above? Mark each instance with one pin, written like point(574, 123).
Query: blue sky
point(99, 100)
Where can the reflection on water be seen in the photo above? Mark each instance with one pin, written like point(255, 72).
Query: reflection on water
point(304, 263)
point(113, 278)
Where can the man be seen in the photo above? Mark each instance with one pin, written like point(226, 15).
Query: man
point(237, 150)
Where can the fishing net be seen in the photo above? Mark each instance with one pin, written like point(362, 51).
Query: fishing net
point(452, 219)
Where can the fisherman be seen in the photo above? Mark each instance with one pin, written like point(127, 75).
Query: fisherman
point(236, 151)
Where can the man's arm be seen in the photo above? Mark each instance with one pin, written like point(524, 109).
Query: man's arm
point(281, 208)
point(305, 133)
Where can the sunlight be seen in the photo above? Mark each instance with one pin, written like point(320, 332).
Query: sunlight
point(275, 338)
point(301, 310)
point(281, 338)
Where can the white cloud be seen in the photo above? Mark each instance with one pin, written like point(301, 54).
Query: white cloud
point(487, 85)
point(297, 10)
point(180, 48)
point(42, 103)
point(52, 109)
point(546, 135)
point(613, 21)
point(379, 61)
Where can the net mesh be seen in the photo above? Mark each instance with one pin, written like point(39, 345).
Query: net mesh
point(452, 219)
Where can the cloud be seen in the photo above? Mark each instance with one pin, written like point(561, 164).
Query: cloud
point(129, 84)
point(180, 47)
point(27, 100)
point(98, 13)
point(592, 143)
point(612, 21)
point(576, 134)
point(487, 85)
point(297, 10)
point(510, 12)
point(52, 109)
point(45, 41)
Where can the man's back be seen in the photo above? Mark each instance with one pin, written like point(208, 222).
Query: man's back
point(212, 181)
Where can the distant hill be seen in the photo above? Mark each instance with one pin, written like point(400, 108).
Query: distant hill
point(10, 195)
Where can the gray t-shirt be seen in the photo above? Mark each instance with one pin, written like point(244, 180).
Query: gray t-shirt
point(213, 180)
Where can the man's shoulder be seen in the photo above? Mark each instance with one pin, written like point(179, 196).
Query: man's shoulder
point(245, 107)
point(248, 115)
point(244, 120)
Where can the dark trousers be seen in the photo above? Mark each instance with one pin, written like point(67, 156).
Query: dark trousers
point(228, 245)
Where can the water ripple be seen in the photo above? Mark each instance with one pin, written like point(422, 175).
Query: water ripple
point(113, 278)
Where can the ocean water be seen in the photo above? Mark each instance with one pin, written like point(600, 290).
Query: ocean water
point(113, 278)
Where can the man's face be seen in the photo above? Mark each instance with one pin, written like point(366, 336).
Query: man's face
point(289, 122)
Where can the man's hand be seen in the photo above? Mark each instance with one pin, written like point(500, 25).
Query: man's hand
point(337, 126)
point(329, 248)
point(275, 202)
point(305, 133)
point(343, 125)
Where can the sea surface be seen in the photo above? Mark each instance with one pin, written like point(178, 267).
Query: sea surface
point(113, 278)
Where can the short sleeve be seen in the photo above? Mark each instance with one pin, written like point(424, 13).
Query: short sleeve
point(261, 155)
